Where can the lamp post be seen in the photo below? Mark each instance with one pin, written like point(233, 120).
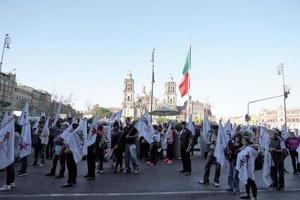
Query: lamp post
point(152, 81)
point(5, 46)
point(286, 92)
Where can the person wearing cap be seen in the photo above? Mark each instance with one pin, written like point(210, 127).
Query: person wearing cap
point(186, 141)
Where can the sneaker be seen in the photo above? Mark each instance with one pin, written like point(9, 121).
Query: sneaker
point(169, 162)
point(166, 160)
point(5, 188)
point(33, 164)
point(91, 178)
point(203, 182)
point(217, 184)
point(67, 185)
point(101, 172)
point(22, 174)
point(41, 165)
point(136, 172)
point(187, 173)
point(13, 185)
point(246, 196)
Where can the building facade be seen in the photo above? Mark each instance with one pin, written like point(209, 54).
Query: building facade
point(7, 89)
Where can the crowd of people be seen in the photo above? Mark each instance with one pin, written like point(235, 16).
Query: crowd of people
point(245, 151)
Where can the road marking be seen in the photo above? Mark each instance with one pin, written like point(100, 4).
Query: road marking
point(127, 194)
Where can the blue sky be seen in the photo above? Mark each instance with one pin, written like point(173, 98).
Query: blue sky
point(86, 47)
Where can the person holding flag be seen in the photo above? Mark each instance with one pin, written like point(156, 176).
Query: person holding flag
point(212, 143)
point(24, 148)
point(7, 154)
point(41, 138)
point(186, 141)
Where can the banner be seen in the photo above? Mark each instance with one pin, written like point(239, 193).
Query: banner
point(167, 136)
point(190, 126)
point(91, 137)
point(219, 150)
point(7, 140)
point(144, 128)
point(117, 116)
point(206, 130)
point(45, 132)
point(246, 163)
point(57, 113)
point(25, 138)
point(77, 141)
point(227, 131)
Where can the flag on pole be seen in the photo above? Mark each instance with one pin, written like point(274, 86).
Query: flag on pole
point(77, 141)
point(57, 113)
point(227, 130)
point(190, 125)
point(145, 128)
point(246, 164)
point(91, 137)
point(187, 65)
point(7, 139)
point(24, 148)
point(45, 132)
point(5, 118)
point(117, 116)
point(184, 85)
point(206, 129)
point(219, 150)
point(168, 136)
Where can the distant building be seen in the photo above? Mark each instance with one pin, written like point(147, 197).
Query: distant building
point(7, 88)
point(136, 107)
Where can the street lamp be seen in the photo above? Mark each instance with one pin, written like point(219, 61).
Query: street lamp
point(5, 46)
point(286, 92)
point(152, 81)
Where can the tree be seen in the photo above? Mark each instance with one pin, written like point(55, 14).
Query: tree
point(100, 112)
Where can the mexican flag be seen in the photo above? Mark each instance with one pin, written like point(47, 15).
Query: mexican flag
point(184, 86)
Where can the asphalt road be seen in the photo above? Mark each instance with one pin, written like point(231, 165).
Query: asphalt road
point(158, 182)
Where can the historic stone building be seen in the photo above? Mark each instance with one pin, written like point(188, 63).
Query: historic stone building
point(7, 89)
point(136, 107)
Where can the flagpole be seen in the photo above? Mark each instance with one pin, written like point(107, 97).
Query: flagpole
point(189, 84)
point(152, 83)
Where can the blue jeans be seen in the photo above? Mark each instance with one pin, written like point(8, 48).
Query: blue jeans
point(233, 177)
point(131, 157)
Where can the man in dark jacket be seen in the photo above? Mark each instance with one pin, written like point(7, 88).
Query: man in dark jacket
point(186, 141)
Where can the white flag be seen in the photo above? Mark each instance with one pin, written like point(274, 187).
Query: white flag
point(190, 126)
point(91, 137)
point(167, 136)
point(206, 130)
point(77, 141)
point(298, 150)
point(246, 164)
point(219, 150)
point(227, 130)
point(57, 113)
point(7, 139)
point(45, 132)
point(117, 116)
point(145, 128)
point(5, 118)
point(25, 138)
point(267, 165)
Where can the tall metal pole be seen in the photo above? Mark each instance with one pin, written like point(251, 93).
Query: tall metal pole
point(152, 81)
point(284, 97)
point(5, 46)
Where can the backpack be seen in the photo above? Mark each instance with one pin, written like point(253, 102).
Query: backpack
point(259, 162)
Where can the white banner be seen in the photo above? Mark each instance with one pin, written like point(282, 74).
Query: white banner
point(220, 151)
point(77, 141)
point(145, 128)
point(246, 163)
point(25, 138)
point(91, 137)
point(7, 139)
point(117, 116)
point(190, 126)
